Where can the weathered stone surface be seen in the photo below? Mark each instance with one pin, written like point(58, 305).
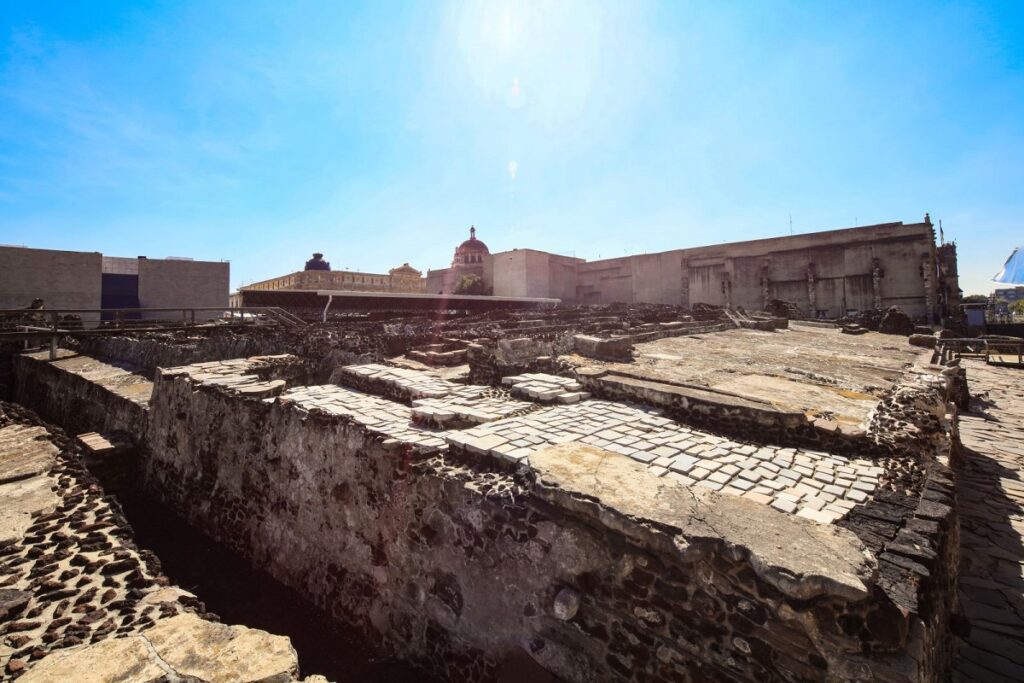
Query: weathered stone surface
point(620, 348)
point(24, 452)
point(182, 648)
point(22, 499)
point(115, 660)
point(218, 653)
point(800, 559)
point(927, 341)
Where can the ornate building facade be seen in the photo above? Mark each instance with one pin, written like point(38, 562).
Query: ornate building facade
point(319, 276)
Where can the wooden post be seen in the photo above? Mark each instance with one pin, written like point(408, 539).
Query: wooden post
point(53, 338)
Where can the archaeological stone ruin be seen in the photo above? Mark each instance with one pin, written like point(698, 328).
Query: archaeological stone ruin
point(622, 492)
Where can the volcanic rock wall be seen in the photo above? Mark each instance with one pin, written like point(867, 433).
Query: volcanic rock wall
point(66, 393)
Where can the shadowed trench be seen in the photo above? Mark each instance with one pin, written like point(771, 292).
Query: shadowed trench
point(240, 594)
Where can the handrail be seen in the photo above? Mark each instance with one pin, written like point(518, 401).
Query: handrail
point(36, 323)
point(974, 346)
point(137, 310)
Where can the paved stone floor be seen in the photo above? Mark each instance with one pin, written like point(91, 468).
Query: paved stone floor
point(811, 484)
point(990, 492)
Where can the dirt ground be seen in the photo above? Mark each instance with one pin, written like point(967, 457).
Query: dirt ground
point(818, 371)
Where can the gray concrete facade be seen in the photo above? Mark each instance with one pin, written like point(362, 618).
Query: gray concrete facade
point(74, 280)
point(63, 279)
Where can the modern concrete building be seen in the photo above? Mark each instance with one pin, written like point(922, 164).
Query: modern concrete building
point(827, 274)
point(317, 275)
point(1009, 294)
point(90, 280)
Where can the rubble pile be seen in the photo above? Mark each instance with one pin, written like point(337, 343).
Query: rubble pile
point(784, 309)
point(895, 321)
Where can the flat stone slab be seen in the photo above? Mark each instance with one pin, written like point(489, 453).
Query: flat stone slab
point(375, 414)
point(24, 452)
point(20, 501)
point(115, 660)
point(545, 388)
point(119, 378)
point(801, 559)
point(25, 487)
point(219, 653)
point(183, 647)
point(410, 384)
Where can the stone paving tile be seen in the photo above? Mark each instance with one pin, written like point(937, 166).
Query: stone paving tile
point(234, 375)
point(990, 494)
point(452, 411)
point(827, 492)
point(545, 388)
point(439, 402)
point(415, 383)
point(376, 414)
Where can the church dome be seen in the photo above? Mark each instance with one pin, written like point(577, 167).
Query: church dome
point(470, 251)
point(317, 263)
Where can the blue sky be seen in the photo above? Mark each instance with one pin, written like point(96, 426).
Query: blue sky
point(378, 132)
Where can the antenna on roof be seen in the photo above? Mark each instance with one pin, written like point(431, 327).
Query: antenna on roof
point(790, 224)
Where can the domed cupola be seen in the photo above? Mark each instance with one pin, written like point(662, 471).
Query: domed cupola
point(317, 263)
point(470, 252)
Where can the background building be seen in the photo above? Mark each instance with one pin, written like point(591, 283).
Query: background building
point(1009, 294)
point(827, 274)
point(89, 280)
point(318, 275)
point(472, 257)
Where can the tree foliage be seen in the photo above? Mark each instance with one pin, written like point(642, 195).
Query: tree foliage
point(975, 299)
point(1017, 307)
point(471, 284)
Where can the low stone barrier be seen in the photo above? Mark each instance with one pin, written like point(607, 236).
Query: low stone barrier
point(81, 394)
point(728, 414)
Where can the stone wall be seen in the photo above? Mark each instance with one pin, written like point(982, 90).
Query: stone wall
point(75, 402)
point(147, 353)
point(459, 566)
point(733, 415)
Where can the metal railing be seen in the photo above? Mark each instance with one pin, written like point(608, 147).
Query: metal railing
point(54, 324)
point(994, 351)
